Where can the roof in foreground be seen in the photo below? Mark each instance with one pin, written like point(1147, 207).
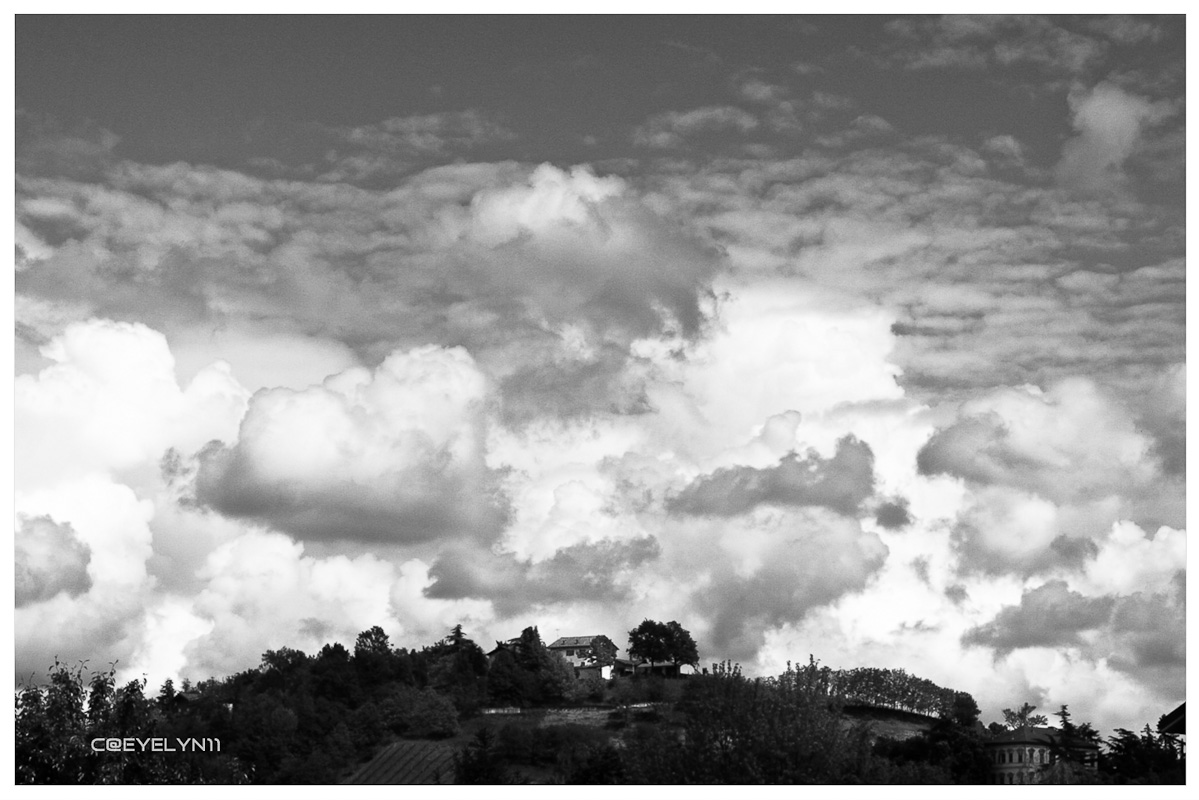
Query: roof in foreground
point(1175, 721)
point(413, 762)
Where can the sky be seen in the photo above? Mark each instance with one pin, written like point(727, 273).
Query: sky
point(857, 337)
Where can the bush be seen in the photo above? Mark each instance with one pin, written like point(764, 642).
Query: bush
point(419, 713)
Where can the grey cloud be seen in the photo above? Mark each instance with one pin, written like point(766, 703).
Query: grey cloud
point(581, 573)
point(45, 146)
point(992, 42)
point(1049, 616)
point(180, 246)
point(802, 573)
point(1109, 123)
point(841, 483)
point(397, 146)
point(1151, 627)
point(976, 554)
point(974, 448)
point(603, 383)
point(429, 502)
point(49, 559)
point(893, 514)
point(673, 128)
point(962, 244)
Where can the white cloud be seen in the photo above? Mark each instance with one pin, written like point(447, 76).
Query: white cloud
point(390, 455)
point(111, 402)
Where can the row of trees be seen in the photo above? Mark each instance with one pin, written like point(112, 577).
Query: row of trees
point(727, 728)
point(890, 688)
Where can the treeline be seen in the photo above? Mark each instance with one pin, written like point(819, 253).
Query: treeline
point(889, 688)
point(725, 728)
point(297, 718)
point(301, 718)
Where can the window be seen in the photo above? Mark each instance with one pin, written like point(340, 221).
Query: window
point(570, 652)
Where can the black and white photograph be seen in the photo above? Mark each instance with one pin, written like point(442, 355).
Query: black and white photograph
point(622, 398)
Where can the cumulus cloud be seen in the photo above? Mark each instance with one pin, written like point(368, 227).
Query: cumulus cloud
point(49, 559)
point(262, 591)
point(111, 400)
point(389, 455)
point(771, 370)
point(840, 483)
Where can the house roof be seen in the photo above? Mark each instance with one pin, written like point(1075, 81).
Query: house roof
point(1031, 735)
point(1026, 735)
point(1175, 721)
point(573, 641)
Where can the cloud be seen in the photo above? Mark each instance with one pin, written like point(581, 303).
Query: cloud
point(49, 559)
point(398, 145)
point(774, 568)
point(262, 591)
point(672, 129)
point(992, 42)
point(1044, 441)
point(578, 574)
point(1049, 616)
point(893, 514)
point(1109, 122)
point(841, 483)
point(392, 455)
point(111, 401)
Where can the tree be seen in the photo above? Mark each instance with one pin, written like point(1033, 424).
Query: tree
point(650, 641)
point(1023, 717)
point(480, 762)
point(681, 646)
point(1145, 759)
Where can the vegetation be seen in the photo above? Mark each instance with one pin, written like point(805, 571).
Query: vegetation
point(301, 718)
point(1023, 717)
point(663, 643)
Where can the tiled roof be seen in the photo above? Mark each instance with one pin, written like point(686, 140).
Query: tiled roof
point(408, 763)
point(573, 641)
point(1029, 735)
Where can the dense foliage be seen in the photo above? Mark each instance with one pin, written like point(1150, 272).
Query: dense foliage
point(663, 643)
point(302, 718)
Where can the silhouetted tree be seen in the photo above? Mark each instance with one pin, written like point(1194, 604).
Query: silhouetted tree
point(1023, 717)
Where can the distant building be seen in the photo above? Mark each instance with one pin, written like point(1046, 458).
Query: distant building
point(1031, 755)
point(589, 655)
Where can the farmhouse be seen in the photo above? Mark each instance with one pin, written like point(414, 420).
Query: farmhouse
point(589, 655)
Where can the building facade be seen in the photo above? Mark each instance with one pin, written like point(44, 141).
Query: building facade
point(1032, 755)
point(589, 655)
